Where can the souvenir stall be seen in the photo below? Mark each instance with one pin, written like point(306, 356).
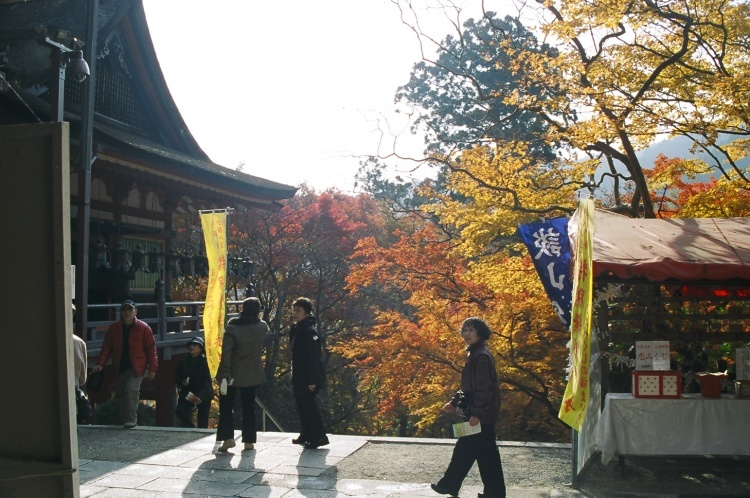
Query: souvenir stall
point(673, 324)
point(670, 334)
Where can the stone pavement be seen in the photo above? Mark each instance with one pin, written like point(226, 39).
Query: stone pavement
point(275, 468)
point(172, 462)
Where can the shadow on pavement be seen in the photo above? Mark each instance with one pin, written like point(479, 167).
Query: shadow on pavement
point(675, 476)
point(532, 467)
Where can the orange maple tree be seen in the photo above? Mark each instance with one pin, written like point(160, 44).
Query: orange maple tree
point(413, 353)
point(686, 188)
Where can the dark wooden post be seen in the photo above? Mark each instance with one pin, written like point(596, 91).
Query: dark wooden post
point(161, 309)
point(83, 217)
point(165, 393)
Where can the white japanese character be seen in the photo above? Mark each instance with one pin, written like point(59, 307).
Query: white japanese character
point(548, 243)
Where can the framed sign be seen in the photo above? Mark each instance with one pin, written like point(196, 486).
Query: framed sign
point(652, 355)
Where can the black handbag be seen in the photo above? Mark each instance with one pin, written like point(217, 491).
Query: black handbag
point(83, 406)
point(94, 381)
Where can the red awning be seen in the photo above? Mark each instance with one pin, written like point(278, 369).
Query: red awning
point(682, 249)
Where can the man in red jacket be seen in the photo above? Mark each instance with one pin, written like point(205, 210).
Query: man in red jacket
point(130, 342)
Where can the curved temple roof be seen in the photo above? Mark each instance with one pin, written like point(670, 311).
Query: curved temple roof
point(163, 143)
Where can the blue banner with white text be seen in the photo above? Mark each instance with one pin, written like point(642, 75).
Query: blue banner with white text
point(549, 246)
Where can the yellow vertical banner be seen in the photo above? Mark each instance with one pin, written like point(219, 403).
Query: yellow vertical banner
point(215, 235)
point(576, 397)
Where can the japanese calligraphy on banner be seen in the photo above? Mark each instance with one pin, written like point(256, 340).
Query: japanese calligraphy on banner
point(743, 363)
point(215, 235)
point(652, 355)
point(576, 397)
point(549, 246)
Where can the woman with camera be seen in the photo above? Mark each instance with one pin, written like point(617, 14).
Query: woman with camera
point(478, 401)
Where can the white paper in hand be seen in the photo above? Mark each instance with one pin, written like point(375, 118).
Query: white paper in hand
point(223, 387)
point(465, 429)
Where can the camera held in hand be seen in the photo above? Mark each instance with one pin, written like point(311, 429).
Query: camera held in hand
point(463, 404)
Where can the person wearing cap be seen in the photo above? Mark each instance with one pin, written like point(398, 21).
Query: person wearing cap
point(241, 370)
point(195, 389)
point(130, 344)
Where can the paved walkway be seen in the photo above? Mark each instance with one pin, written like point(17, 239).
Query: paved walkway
point(171, 462)
point(275, 468)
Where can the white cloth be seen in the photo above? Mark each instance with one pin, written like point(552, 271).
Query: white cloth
point(691, 425)
point(80, 359)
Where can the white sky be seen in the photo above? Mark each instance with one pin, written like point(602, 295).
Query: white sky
point(291, 88)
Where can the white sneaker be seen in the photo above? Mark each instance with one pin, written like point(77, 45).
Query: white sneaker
point(228, 443)
point(249, 446)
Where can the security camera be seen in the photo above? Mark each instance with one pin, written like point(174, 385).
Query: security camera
point(78, 67)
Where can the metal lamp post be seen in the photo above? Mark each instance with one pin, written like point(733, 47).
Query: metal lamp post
point(63, 56)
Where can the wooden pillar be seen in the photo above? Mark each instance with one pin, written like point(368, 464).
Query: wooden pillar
point(170, 204)
point(83, 215)
point(165, 393)
point(39, 437)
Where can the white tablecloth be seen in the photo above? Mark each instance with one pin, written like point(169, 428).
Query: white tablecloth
point(692, 425)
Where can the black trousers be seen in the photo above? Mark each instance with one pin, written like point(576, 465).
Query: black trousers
point(480, 448)
point(185, 410)
point(226, 414)
point(309, 417)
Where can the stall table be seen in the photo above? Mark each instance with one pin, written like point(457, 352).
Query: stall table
point(691, 425)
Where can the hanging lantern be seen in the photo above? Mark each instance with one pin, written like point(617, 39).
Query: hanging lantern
point(99, 255)
point(155, 264)
point(201, 265)
point(173, 263)
point(120, 258)
point(139, 259)
point(235, 266)
point(187, 263)
point(247, 268)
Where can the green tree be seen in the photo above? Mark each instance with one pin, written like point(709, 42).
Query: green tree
point(460, 95)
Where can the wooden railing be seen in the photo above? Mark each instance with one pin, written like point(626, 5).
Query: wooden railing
point(173, 323)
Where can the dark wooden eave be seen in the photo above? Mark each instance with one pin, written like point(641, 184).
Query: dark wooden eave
point(169, 152)
point(133, 152)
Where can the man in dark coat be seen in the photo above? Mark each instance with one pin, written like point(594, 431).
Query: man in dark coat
point(194, 383)
point(308, 374)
